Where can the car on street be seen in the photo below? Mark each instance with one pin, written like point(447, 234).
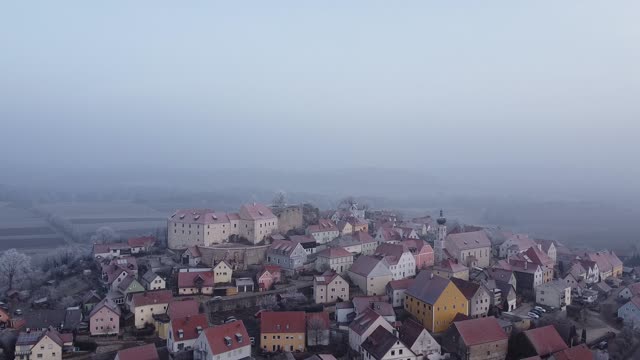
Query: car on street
point(533, 315)
point(540, 309)
point(18, 312)
point(216, 298)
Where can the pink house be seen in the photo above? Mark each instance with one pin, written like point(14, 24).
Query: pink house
point(270, 275)
point(421, 251)
point(104, 319)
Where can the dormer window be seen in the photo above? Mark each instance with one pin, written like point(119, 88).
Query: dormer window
point(227, 341)
point(239, 337)
point(180, 334)
point(198, 329)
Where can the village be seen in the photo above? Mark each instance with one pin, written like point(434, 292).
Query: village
point(281, 282)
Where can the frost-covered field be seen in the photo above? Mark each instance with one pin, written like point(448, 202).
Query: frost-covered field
point(82, 219)
point(23, 229)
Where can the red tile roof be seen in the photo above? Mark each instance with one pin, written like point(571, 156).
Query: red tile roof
point(256, 212)
point(282, 322)
point(334, 252)
point(151, 297)
point(365, 264)
point(545, 340)
point(216, 337)
point(106, 303)
point(467, 288)
point(191, 279)
point(189, 326)
point(363, 237)
point(325, 278)
point(363, 321)
point(480, 331)
point(400, 284)
point(579, 352)
point(144, 352)
point(324, 225)
point(183, 308)
point(451, 266)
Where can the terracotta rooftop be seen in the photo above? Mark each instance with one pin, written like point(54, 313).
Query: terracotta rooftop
point(363, 321)
point(194, 279)
point(282, 322)
point(151, 297)
point(318, 320)
point(400, 284)
point(334, 252)
point(379, 342)
point(183, 308)
point(467, 288)
point(227, 337)
point(579, 352)
point(545, 340)
point(480, 331)
point(191, 326)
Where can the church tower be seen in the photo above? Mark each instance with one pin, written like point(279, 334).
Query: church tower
point(440, 238)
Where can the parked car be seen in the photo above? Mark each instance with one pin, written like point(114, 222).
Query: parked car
point(540, 309)
point(216, 298)
point(230, 319)
point(537, 312)
point(533, 315)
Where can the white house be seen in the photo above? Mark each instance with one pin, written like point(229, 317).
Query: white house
point(418, 339)
point(228, 342)
point(556, 293)
point(400, 260)
point(222, 272)
point(630, 291)
point(153, 281)
point(363, 325)
point(630, 313)
point(383, 344)
point(184, 331)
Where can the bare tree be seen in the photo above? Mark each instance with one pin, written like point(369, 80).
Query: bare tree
point(280, 200)
point(104, 234)
point(267, 302)
point(14, 263)
point(317, 332)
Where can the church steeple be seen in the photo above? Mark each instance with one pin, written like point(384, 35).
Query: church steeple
point(439, 245)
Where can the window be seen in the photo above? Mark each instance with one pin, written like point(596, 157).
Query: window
point(39, 355)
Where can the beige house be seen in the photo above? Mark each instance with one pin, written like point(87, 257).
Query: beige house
point(45, 345)
point(477, 295)
point(556, 294)
point(324, 231)
point(205, 227)
point(104, 319)
point(363, 325)
point(153, 281)
point(329, 287)
point(451, 269)
point(144, 305)
point(336, 258)
point(196, 281)
point(371, 275)
point(470, 248)
point(222, 273)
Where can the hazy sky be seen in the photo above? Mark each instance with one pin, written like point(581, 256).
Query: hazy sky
point(537, 85)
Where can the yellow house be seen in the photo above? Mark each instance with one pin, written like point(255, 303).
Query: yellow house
point(283, 331)
point(434, 301)
point(222, 273)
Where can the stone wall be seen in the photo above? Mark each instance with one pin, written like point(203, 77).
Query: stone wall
point(239, 257)
point(289, 218)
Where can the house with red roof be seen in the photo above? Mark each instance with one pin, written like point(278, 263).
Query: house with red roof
point(318, 328)
point(117, 269)
point(325, 231)
point(195, 281)
point(184, 331)
point(143, 352)
point(543, 342)
point(421, 251)
point(110, 250)
point(228, 341)
point(337, 259)
point(400, 260)
point(481, 338)
point(269, 275)
point(549, 247)
point(205, 227)
point(329, 288)
point(515, 244)
point(142, 244)
point(538, 257)
point(478, 296)
point(283, 331)
point(630, 291)
point(146, 304)
point(578, 352)
point(608, 263)
point(177, 309)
